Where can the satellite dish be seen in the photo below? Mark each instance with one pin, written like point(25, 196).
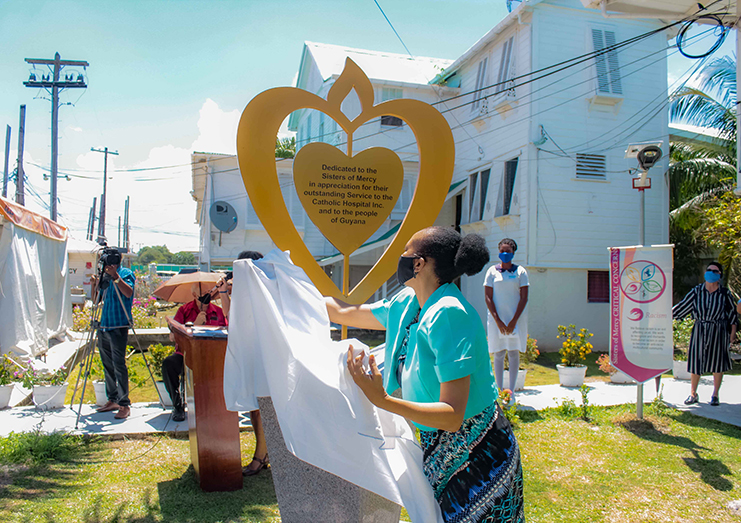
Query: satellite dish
point(223, 216)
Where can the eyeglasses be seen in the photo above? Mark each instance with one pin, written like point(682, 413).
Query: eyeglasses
point(716, 271)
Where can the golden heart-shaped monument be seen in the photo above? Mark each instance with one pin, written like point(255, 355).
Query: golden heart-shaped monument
point(320, 163)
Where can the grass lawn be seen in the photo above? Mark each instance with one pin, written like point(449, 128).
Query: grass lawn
point(672, 466)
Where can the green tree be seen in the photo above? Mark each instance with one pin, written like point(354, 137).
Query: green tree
point(700, 171)
point(722, 231)
point(285, 148)
point(155, 254)
point(183, 258)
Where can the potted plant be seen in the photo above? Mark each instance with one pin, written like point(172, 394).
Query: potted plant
point(49, 388)
point(157, 354)
point(97, 375)
point(7, 377)
point(574, 349)
point(616, 376)
point(529, 356)
point(682, 335)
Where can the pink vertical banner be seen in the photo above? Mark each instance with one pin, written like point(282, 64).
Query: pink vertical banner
point(641, 342)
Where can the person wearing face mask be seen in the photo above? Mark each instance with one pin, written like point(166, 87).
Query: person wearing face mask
point(200, 311)
point(506, 289)
point(436, 353)
point(712, 307)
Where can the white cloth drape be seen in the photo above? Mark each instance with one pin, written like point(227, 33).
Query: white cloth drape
point(35, 303)
point(280, 346)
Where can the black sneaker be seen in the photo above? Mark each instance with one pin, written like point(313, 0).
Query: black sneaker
point(691, 399)
point(714, 401)
point(178, 415)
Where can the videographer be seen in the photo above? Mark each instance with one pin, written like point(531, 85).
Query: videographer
point(117, 290)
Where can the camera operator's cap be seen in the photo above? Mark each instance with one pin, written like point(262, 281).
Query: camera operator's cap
point(178, 288)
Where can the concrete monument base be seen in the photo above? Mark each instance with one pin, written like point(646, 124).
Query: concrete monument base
point(307, 493)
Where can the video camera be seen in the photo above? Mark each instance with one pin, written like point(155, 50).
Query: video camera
point(110, 256)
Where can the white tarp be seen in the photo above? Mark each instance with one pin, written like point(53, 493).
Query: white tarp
point(280, 346)
point(34, 294)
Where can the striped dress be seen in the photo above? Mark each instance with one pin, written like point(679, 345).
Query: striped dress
point(714, 314)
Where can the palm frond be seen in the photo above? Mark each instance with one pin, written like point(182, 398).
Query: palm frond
point(693, 106)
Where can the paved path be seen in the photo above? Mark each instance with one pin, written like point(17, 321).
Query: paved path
point(150, 418)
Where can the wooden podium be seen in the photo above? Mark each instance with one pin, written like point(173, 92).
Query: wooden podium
point(213, 431)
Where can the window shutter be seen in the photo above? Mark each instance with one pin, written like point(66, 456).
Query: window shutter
point(612, 62)
point(603, 82)
point(504, 65)
point(480, 82)
point(483, 193)
point(598, 287)
point(591, 166)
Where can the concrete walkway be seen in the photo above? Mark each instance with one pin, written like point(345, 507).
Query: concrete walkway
point(147, 418)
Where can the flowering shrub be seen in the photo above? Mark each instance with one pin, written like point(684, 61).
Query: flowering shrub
point(505, 396)
point(575, 347)
point(7, 375)
point(149, 304)
point(30, 377)
point(80, 318)
point(531, 353)
point(605, 365)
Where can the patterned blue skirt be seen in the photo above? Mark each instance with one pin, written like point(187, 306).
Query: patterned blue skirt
point(475, 472)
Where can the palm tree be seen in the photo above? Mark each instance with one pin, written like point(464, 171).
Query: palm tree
point(700, 169)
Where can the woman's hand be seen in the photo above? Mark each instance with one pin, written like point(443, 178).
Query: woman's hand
point(500, 324)
point(511, 326)
point(371, 384)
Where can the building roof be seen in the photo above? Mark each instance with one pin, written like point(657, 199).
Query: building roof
point(377, 65)
point(664, 9)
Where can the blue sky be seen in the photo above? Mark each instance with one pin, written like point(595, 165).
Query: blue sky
point(170, 77)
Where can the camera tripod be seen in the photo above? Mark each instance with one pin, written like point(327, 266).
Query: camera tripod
point(91, 338)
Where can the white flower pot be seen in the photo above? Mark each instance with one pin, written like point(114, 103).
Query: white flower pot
point(5, 391)
point(521, 374)
point(47, 397)
point(679, 369)
point(100, 395)
point(620, 377)
point(163, 393)
point(571, 376)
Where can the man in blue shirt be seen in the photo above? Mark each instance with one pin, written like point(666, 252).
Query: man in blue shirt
point(115, 320)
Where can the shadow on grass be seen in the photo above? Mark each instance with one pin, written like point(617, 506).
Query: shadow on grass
point(687, 418)
point(182, 500)
point(712, 471)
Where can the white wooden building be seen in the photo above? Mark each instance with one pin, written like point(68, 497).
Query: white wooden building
point(539, 158)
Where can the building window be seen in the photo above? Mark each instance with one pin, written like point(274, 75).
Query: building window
point(598, 286)
point(608, 68)
point(308, 129)
point(505, 66)
point(388, 93)
point(507, 188)
point(478, 188)
point(591, 166)
point(321, 128)
point(480, 83)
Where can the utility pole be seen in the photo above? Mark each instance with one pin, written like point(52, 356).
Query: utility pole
point(101, 220)
point(70, 82)
point(119, 232)
point(126, 224)
point(91, 220)
point(20, 175)
point(7, 157)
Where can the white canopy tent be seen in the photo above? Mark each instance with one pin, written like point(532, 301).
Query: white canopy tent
point(726, 10)
point(34, 271)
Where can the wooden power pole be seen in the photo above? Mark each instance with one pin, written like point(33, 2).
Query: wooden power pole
point(56, 85)
point(20, 196)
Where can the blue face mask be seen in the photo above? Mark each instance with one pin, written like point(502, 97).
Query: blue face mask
point(712, 277)
point(506, 257)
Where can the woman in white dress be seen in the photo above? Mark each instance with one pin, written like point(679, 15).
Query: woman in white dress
point(506, 290)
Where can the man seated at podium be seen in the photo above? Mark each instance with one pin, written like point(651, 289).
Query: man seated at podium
point(200, 311)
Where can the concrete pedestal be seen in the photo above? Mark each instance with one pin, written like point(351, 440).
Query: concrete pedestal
point(307, 493)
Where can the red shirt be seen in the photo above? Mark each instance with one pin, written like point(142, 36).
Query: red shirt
point(188, 312)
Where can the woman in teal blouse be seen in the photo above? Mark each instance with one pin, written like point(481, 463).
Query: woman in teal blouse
point(437, 354)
